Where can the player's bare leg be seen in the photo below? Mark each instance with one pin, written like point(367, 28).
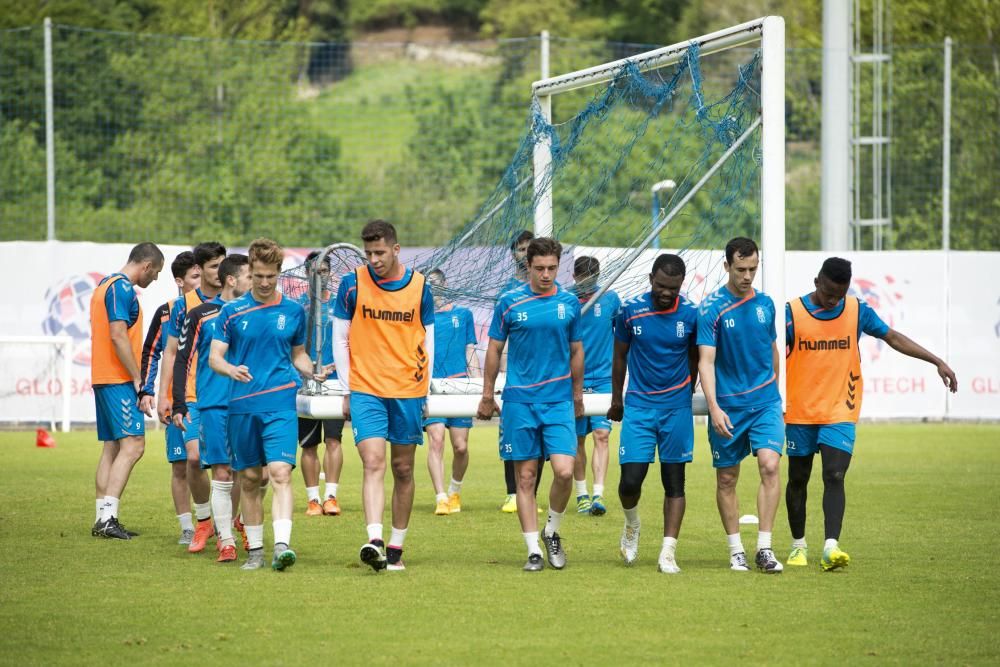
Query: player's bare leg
point(372, 453)
point(201, 492)
point(181, 495)
point(309, 463)
point(459, 466)
point(559, 492)
point(768, 497)
point(253, 516)
point(729, 512)
point(333, 464)
point(282, 506)
point(402, 457)
point(435, 465)
point(583, 502)
point(599, 466)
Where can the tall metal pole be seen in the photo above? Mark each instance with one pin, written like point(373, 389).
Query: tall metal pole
point(836, 119)
point(542, 155)
point(772, 177)
point(50, 145)
point(946, 152)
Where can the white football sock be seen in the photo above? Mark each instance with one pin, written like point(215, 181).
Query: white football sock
point(763, 540)
point(312, 493)
point(799, 544)
point(830, 544)
point(598, 489)
point(669, 546)
point(222, 508)
point(581, 487)
point(735, 544)
point(439, 498)
point(100, 503)
point(110, 508)
point(454, 486)
point(282, 531)
point(531, 540)
point(255, 536)
point(374, 531)
point(632, 517)
point(185, 520)
point(396, 537)
point(552, 525)
point(331, 489)
point(203, 511)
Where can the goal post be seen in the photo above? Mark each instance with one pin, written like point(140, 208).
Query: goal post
point(769, 31)
point(38, 366)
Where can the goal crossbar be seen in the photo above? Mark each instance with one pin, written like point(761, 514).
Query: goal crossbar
point(745, 33)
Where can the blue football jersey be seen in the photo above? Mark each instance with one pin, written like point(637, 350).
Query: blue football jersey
point(212, 389)
point(454, 330)
point(596, 333)
point(121, 301)
point(868, 320)
point(742, 332)
point(658, 372)
point(538, 329)
point(261, 337)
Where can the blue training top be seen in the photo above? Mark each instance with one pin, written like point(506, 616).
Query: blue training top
point(742, 331)
point(659, 376)
point(326, 322)
point(598, 340)
point(539, 329)
point(261, 337)
point(454, 330)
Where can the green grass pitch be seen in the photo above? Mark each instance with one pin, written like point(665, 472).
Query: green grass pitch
point(922, 530)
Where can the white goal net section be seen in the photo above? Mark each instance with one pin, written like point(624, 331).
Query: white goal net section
point(705, 116)
point(36, 385)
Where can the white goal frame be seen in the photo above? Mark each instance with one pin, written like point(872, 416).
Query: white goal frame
point(462, 399)
point(66, 378)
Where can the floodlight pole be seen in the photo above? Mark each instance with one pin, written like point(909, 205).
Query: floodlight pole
point(772, 177)
point(50, 142)
point(655, 190)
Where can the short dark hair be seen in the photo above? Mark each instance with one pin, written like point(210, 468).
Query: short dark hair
point(543, 247)
point(741, 246)
point(586, 265)
point(520, 237)
point(436, 272)
point(671, 265)
point(182, 264)
point(311, 259)
point(379, 229)
point(837, 270)
point(230, 266)
point(146, 252)
point(206, 252)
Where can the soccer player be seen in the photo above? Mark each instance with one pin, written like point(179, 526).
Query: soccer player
point(384, 349)
point(116, 345)
point(259, 342)
point(824, 397)
point(187, 276)
point(738, 361)
point(543, 395)
point(207, 256)
point(313, 431)
point(655, 342)
point(598, 346)
point(204, 411)
point(454, 357)
point(518, 252)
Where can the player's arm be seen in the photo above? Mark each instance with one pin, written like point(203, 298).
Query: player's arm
point(706, 369)
point(910, 348)
point(619, 367)
point(576, 373)
point(472, 362)
point(693, 359)
point(342, 359)
point(151, 350)
point(429, 350)
point(123, 348)
point(182, 362)
point(488, 405)
point(304, 364)
point(166, 377)
point(217, 362)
